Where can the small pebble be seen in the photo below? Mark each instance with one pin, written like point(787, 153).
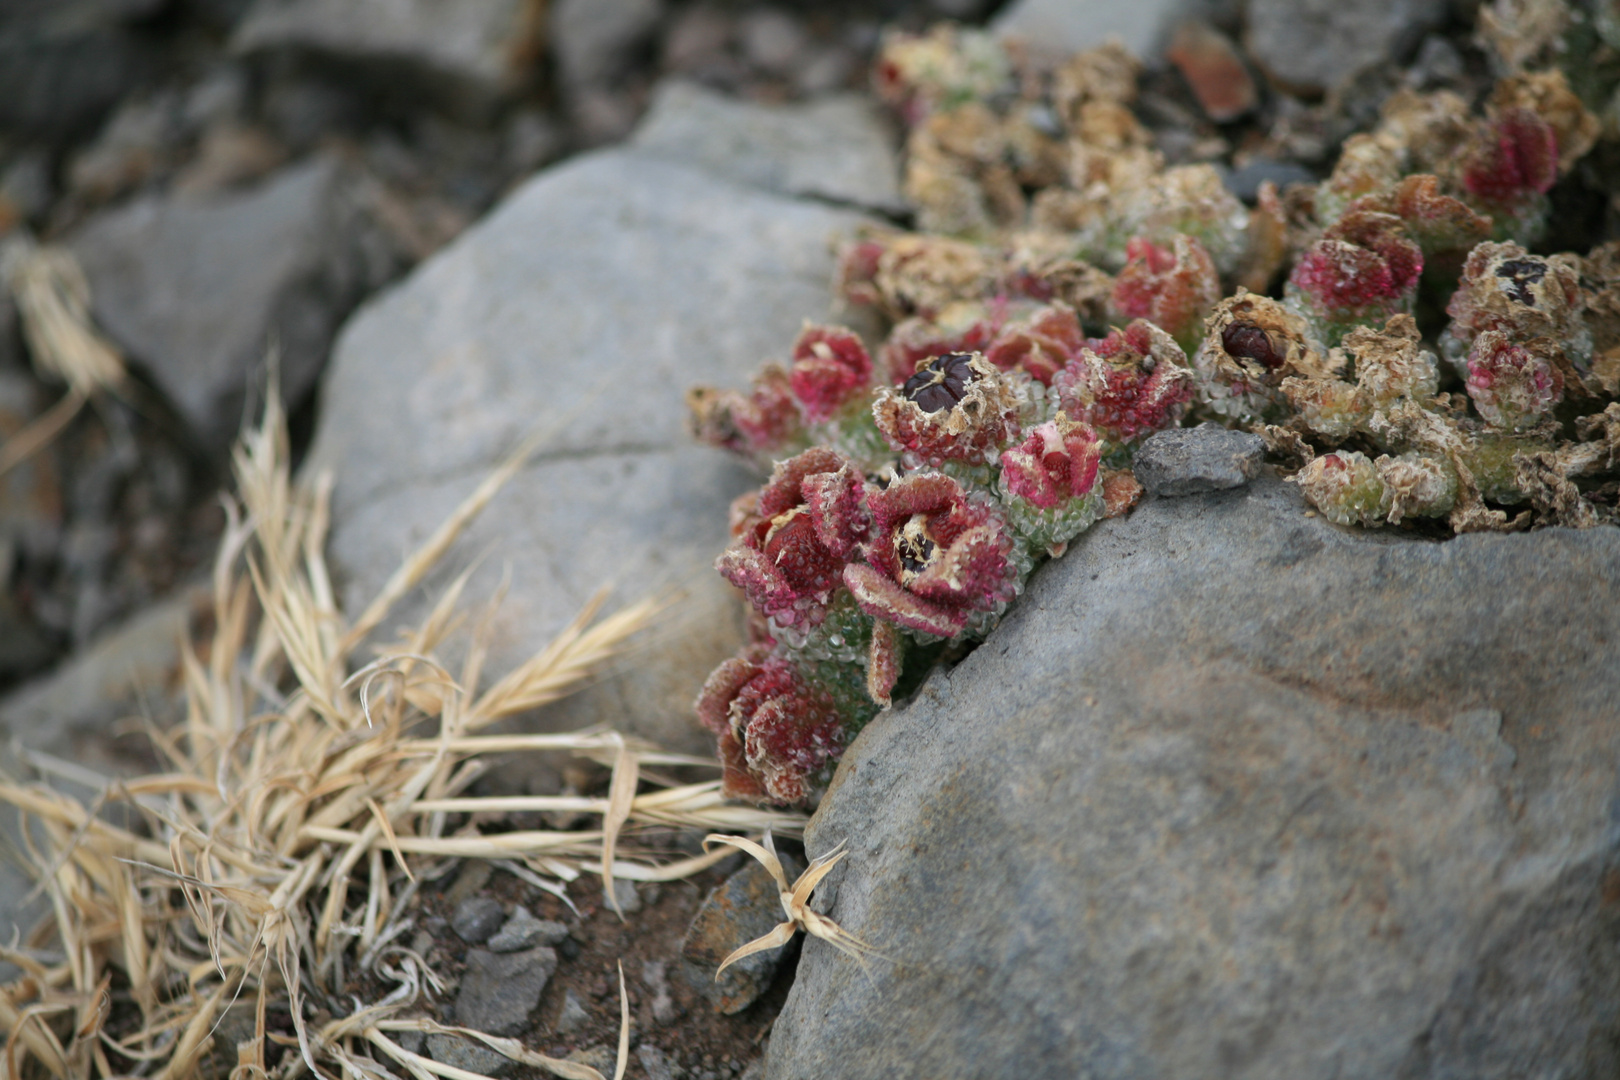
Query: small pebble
point(464, 1053)
point(476, 918)
point(523, 931)
point(626, 894)
point(653, 1062)
point(573, 1015)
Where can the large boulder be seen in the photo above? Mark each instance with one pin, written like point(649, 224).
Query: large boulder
point(585, 305)
point(1236, 792)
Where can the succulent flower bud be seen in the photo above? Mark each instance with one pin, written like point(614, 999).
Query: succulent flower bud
point(1127, 385)
point(1362, 271)
point(939, 555)
point(808, 521)
point(1172, 287)
point(830, 369)
point(760, 424)
point(1050, 484)
point(788, 730)
point(1039, 345)
point(1513, 386)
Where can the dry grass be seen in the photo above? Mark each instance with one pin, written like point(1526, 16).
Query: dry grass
point(277, 860)
point(795, 900)
point(53, 298)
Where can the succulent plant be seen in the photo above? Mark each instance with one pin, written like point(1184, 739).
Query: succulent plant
point(1038, 329)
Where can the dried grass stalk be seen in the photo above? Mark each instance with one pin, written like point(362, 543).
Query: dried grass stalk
point(53, 298)
point(273, 864)
point(795, 901)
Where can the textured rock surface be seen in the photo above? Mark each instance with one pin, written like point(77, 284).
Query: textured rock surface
point(585, 305)
point(838, 148)
point(172, 285)
point(500, 990)
point(743, 907)
point(1187, 461)
point(1316, 45)
point(1235, 792)
point(65, 62)
point(469, 1054)
point(595, 40)
point(465, 55)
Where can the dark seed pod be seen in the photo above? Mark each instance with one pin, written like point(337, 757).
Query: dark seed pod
point(941, 384)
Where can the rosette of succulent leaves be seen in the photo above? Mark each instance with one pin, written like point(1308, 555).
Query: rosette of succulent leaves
point(1066, 294)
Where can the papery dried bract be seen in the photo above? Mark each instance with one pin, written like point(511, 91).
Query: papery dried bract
point(1251, 344)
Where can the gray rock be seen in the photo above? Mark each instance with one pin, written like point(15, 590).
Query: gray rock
point(1234, 791)
point(572, 1016)
point(476, 918)
point(523, 931)
point(25, 184)
point(745, 906)
point(1245, 182)
point(469, 1054)
point(585, 305)
point(627, 895)
point(1068, 26)
point(653, 1062)
point(198, 289)
point(772, 39)
point(63, 63)
point(654, 975)
point(595, 40)
point(130, 668)
point(1310, 46)
point(838, 148)
point(1188, 461)
point(500, 990)
point(467, 57)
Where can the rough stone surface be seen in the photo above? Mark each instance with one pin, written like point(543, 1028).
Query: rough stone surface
point(469, 1054)
point(467, 56)
point(132, 668)
point(838, 148)
point(523, 931)
point(572, 1016)
point(743, 907)
point(476, 918)
point(584, 306)
point(594, 40)
point(1187, 461)
point(500, 990)
point(1315, 45)
point(63, 63)
point(1068, 26)
point(1236, 792)
point(197, 289)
